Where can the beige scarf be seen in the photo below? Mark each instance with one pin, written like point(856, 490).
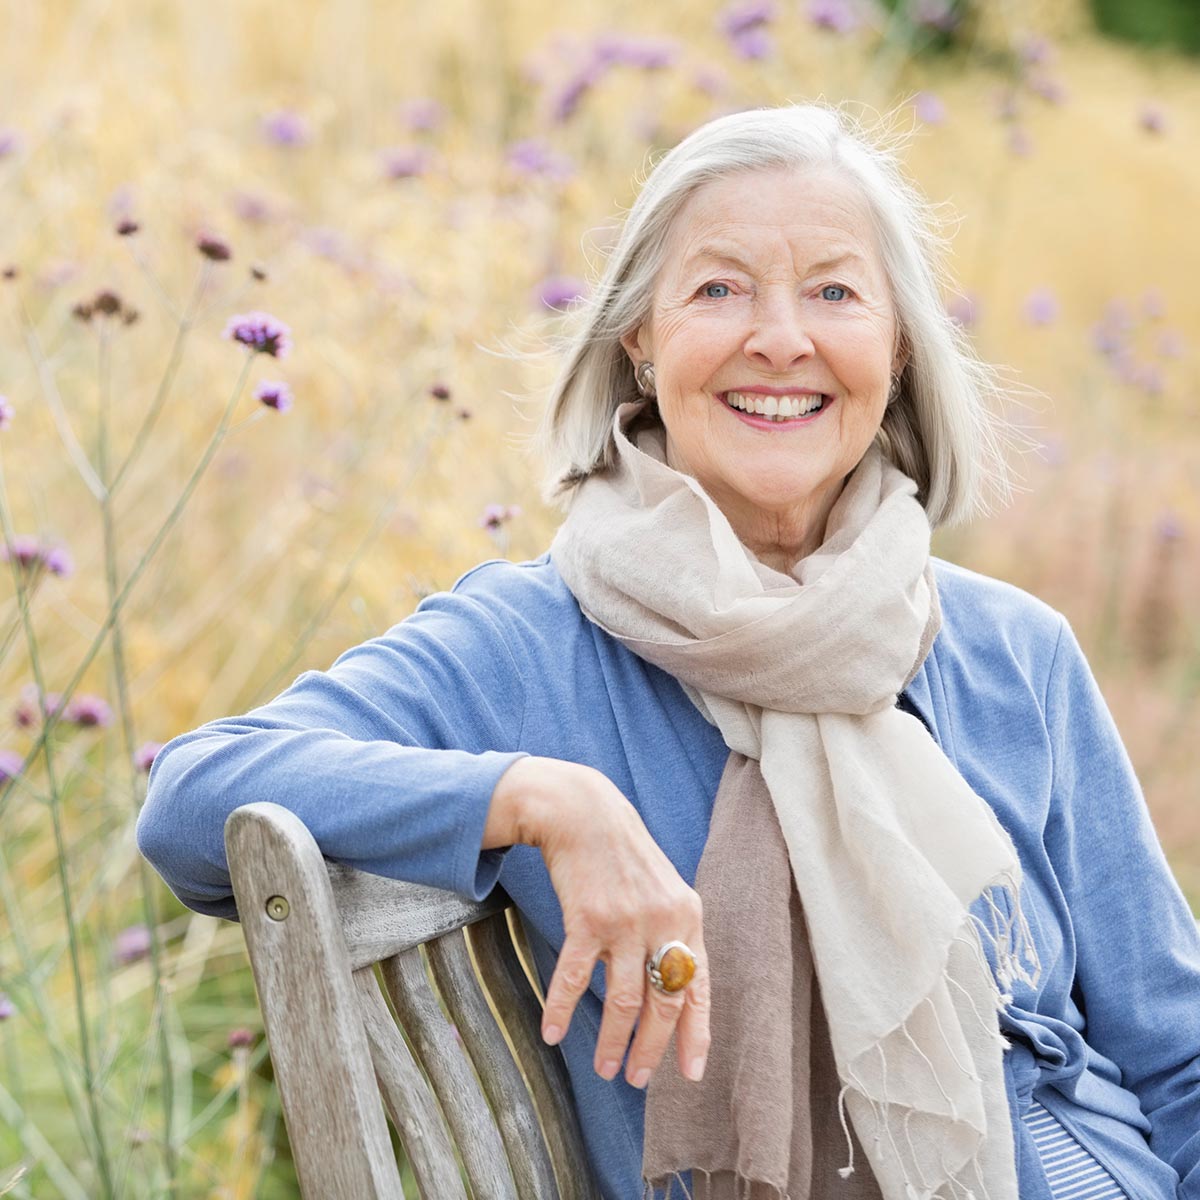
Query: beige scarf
point(844, 845)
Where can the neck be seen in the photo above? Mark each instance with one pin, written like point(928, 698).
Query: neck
point(781, 539)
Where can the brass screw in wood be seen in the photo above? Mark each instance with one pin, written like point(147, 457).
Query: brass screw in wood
point(278, 908)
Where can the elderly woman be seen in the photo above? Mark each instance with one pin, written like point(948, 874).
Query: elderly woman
point(850, 829)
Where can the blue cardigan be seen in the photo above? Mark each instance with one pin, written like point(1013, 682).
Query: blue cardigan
point(390, 757)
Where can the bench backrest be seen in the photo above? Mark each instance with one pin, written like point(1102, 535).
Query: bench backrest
point(458, 1083)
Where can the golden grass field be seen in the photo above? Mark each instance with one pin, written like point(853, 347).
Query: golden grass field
point(405, 244)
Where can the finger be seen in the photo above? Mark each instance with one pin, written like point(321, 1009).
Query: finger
point(624, 992)
point(572, 974)
point(692, 1034)
point(660, 1014)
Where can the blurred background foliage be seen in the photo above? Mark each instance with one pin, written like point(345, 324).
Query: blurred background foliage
point(414, 190)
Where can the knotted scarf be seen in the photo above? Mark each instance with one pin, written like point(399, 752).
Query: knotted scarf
point(845, 854)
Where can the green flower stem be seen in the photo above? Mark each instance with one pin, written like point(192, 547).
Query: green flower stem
point(164, 387)
point(41, 1014)
point(121, 676)
point(39, 1147)
point(412, 467)
point(64, 878)
point(172, 518)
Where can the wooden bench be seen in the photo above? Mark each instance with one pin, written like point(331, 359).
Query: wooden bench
point(483, 1108)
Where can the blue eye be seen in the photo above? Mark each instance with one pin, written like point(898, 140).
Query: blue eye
point(837, 287)
point(706, 287)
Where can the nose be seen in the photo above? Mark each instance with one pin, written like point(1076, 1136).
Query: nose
point(779, 336)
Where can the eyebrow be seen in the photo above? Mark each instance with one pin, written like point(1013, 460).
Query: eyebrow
point(719, 254)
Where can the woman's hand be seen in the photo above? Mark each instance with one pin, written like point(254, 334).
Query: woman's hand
point(621, 899)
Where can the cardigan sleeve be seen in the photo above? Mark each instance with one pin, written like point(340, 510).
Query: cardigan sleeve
point(1137, 946)
point(390, 757)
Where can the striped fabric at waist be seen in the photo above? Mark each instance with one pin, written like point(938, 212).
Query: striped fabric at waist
point(1073, 1173)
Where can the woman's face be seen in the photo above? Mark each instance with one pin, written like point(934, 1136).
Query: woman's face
point(772, 294)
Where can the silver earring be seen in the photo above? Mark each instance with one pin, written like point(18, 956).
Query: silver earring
point(643, 376)
point(894, 391)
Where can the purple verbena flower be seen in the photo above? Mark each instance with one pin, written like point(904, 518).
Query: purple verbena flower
point(1153, 304)
point(28, 552)
point(535, 158)
point(1170, 344)
point(7, 1007)
point(935, 14)
point(558, 291)
point(274, 394)
point(1168, 527)
point(87, 711)
point(131, 945)
point(929, 108)
point(405, 162)
point(286, 128)
point(1041, 307)
point(496, 515)
point(1152, 118)
point(58, 560)
point(1035, 49)
point(6, 413)
point(1106, 339)
point(28, 711)
point(753, 45)
point(710, 80)
point(1019, 141)
point(10, 764)
point(421, 114)
point(568, 98)
point(650, 54)
point(745, 15)
point(10, 142)
point(213, 247)
point(261, 332)
point(145, 754)
point(964, 310)
point(251, 208)
point(1049, 89)
point(835, 15)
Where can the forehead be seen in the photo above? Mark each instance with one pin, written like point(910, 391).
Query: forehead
point(813, 214)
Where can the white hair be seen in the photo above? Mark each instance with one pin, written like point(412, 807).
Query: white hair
point(944, 430)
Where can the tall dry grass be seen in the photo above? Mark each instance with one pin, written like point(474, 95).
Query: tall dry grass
point(180, 551)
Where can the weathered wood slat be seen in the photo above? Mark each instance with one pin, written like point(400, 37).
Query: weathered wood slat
point(331, 1103)
point(407, 1096)
point(381, 917)
point(497, 1070)
point(521, 1014)
point(445, 1062)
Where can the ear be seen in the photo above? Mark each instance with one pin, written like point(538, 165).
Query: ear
point(637, 345)
point(903, 354)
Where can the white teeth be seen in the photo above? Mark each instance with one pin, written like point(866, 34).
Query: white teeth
point(781, 408)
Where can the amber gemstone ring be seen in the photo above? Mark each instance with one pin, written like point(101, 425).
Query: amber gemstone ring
point(672, 966)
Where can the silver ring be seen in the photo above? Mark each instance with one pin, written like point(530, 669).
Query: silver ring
point(679, 971)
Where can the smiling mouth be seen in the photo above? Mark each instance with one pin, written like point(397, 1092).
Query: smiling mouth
point(778, 410)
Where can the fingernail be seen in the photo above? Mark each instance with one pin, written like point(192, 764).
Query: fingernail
point(695, 1069)
point(641, 1078)
point(610, 1068)
point(553, 1035)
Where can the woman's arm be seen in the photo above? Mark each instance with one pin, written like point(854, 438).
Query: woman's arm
point(390, 758)
point(1138, 950)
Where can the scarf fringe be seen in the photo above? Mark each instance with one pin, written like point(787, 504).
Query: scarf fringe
point(1016, 959)
point(744, 1188)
